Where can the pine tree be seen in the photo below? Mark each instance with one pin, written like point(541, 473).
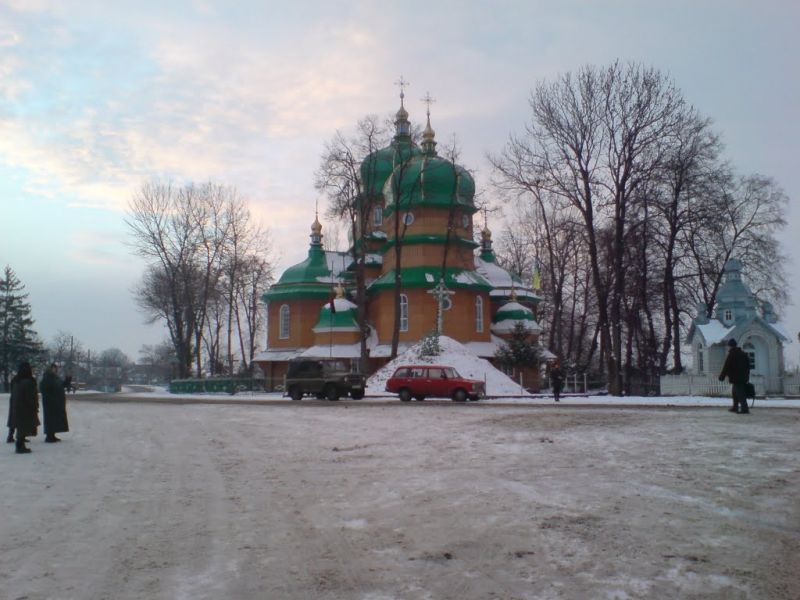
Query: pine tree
point(520, 350)
point(18, 340)
point(429, 345)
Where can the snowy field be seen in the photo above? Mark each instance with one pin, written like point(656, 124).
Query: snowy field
point(380, 500)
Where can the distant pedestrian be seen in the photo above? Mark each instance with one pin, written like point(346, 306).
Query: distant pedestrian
point(68, 383)
point(556, 379)
point(54, 404)
point(24, 406)
point(737, 369)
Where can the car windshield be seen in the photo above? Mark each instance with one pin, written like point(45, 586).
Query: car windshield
point(336, 365)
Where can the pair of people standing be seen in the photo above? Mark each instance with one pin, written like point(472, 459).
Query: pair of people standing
point(23, 410)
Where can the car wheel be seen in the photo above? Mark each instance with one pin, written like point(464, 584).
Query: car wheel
point(405, 395)
point(332, 393)
point(296, 392)
point(459, 395)
point(357, 394)
point(419, 398)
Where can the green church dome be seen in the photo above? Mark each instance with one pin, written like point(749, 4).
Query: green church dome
point(308, 279)
point(376, 168)
point(429, 180)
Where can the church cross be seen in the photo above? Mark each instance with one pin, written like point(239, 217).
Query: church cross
point(440, 293)
point(428, 100)
point(402, 83)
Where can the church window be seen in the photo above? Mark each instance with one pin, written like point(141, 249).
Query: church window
point(700, 365)
point(750, 350)
point(284, 322)
point(403, 312)
point(377, 216)
point(408, 218)
point(479, 314)
point(728, 315)
point(465, 221)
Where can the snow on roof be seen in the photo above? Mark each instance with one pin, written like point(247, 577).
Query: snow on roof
point(453, 354)
point(334, 351)
point(781, 329)
point(512, 306)
point(343, 304)
point(276, 355)
point(469, 278)
point(495, 274)
point(508, 325)
point(713, 332)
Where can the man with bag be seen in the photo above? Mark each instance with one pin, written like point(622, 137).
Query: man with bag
point(737, 369)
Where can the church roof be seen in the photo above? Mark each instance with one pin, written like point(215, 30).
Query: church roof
point(511, 313)
point(343, 318)
point(428, 277)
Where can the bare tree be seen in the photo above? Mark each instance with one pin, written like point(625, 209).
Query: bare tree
point(194, 239)
point(594, 139)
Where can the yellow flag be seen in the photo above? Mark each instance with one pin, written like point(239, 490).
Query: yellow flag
point(537, 280)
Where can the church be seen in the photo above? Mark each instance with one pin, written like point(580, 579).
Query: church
point(421, 233)
point(739, 315)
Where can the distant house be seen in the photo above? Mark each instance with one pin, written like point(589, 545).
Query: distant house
point(739, 315)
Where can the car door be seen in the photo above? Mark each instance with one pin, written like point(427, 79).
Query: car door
point(436, 382)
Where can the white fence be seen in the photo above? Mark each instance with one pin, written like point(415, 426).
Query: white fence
point(705, 385)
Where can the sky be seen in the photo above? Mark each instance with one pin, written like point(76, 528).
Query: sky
point(97, 98)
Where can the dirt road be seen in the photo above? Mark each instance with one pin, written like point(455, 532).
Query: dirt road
point(391, 501)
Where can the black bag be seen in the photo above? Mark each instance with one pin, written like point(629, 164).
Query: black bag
point(750, 390)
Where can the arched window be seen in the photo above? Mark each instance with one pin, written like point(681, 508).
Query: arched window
point(377, 216)
point(403, 312)
point(479, 314)
point(728, 315)
point(700, 361)
point(284, 322)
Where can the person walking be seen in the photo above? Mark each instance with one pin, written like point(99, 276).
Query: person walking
point(737, 370)
point(556, 379)
point(24, 406)
point(54, 404)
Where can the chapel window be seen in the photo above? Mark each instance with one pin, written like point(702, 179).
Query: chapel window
point(479, 314)
point(403, 312)
point(728, 315)
point(377, 216)
point(700, 357)
point(284, 322)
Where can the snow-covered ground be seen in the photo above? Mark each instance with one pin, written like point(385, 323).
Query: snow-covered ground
point(381, 500)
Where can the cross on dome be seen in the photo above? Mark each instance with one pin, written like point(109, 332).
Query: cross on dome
point(402, 83)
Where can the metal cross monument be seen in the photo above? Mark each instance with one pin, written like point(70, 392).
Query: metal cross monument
point(441, 293)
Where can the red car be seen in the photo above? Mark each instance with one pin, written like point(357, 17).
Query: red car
point(421, 381)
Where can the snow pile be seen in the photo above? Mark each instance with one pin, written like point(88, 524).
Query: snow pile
point(455, 355)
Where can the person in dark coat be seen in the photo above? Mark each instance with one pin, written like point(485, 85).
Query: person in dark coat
point(556, 379)
point(54, 404)
point(68, 383)
point(24, 405)
point(737, 370)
